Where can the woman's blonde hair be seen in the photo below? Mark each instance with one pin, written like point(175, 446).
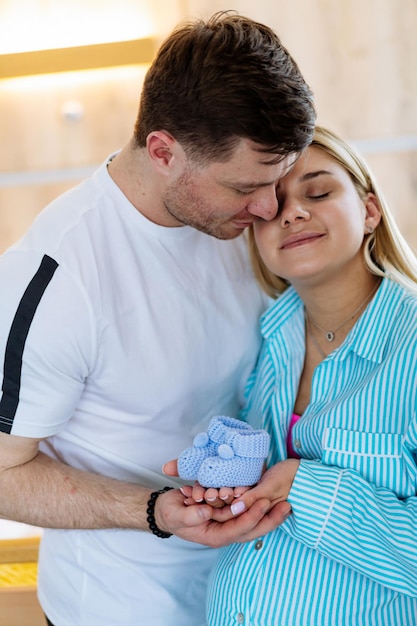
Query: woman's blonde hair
point(386, 251)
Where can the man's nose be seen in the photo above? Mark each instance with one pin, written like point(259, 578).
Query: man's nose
point(265, 204)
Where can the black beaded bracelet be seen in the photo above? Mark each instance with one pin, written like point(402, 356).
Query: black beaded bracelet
point(151, 514)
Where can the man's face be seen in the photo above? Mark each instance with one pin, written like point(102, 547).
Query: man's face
point(222, 199)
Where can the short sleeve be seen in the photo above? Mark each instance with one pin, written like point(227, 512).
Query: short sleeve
point(47, 343)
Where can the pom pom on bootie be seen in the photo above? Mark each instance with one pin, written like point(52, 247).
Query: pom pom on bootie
point(205, 444)
point(191, 458)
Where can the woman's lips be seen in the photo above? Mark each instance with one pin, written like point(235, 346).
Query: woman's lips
point(300, 239)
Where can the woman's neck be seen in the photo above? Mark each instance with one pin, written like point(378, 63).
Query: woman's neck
point(332, 310)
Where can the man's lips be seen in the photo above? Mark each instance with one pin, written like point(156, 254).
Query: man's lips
point(242, 223)
point(300, 239)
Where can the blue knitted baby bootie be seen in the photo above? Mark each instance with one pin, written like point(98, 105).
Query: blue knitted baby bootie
point(205, 444)
point(239, 460)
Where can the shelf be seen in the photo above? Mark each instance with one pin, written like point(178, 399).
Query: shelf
point(133, 52)
point(19, 550)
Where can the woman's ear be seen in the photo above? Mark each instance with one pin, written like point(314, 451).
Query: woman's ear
point(372, 213)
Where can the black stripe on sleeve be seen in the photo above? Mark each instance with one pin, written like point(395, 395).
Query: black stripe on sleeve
point(19, 330)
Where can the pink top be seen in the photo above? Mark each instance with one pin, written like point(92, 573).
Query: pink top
point(292, 454)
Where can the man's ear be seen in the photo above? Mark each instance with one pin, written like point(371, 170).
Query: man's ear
point(162, 149)
point(373, 212)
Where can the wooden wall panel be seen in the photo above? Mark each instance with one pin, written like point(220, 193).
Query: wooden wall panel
point(20, 205)
point(69, 119)
point(51, 124)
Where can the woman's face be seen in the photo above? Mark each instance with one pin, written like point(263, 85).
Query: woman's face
point(320, 225)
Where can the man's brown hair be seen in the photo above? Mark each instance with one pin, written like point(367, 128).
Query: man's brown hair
point(216, 81)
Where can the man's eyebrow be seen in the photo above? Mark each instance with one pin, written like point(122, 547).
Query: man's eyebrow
point(250, 185)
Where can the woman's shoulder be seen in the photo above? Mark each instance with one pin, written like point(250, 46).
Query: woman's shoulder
point(405, 296)
point(281, 309)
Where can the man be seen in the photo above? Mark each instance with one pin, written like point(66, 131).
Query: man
point(129, 318)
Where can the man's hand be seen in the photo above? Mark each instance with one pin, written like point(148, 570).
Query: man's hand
point(197, 523)
point(258, 511)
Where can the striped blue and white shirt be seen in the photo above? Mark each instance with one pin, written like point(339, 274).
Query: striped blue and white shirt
point(347, 556)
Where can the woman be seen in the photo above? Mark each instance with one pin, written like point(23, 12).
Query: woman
point(336, 387)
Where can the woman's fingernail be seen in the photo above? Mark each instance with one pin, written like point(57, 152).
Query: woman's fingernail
point(238, 507)
point(182, 491)
point(211, 499)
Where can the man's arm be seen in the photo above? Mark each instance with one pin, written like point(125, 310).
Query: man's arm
point(40, 491)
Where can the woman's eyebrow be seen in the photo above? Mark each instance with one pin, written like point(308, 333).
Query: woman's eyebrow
point(310, 175)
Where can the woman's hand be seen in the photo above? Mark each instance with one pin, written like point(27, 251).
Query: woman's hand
point(199, 522)
point(275, 485)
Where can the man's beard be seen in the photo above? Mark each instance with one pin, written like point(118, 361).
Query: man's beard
point(183, 201)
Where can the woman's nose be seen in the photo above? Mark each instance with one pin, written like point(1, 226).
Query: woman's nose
point(291, 212)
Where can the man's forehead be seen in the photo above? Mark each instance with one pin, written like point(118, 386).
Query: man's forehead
point(250, 167)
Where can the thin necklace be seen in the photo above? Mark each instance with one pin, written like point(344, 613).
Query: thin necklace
point(316, 343)
point(330, 334)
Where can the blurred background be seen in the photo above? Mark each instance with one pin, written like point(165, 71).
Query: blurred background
point(71, 73)
point(70, 79)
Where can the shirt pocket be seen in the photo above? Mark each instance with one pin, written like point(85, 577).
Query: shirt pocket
point(378, 457)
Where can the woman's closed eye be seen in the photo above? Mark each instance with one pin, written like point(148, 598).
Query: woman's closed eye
point(318, 196)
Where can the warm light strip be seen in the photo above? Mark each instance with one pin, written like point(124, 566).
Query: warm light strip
point(132, 52)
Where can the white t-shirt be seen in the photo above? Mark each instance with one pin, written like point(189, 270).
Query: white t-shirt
point(120, 340)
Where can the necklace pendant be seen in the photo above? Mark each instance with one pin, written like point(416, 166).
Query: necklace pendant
point(329, 336)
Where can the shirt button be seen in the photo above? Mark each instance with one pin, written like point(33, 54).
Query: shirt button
point(259, 544)
point(297, 443)
point(240, 618)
